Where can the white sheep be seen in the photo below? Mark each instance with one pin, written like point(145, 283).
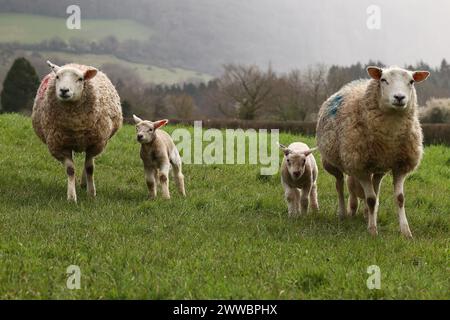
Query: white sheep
point(158, 153)
point(368, 128)
point(76, 109)
point(299, 178)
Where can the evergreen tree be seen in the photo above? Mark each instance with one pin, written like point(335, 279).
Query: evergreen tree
point(19, 87)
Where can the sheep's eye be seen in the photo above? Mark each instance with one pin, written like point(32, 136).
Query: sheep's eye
point(80, 79)
point(57, 77)
point(411, 82)
point(287, 160)
point(384, 80)
point(150, 130)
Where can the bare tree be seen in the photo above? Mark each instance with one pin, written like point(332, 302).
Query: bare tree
point(244, 90)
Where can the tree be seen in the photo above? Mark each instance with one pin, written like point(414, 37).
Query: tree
point(245, 90)
point(19, 87)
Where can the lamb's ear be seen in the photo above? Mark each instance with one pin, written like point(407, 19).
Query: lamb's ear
point(375, 72)
point(420, 76)
point(160, 123)
point(137, 119)
point(285, 149)
point(308, 152)
point(53, 66)
point(90, 73)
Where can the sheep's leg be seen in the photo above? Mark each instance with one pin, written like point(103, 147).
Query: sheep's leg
point(371, 202)
point(292, 196)
point(71, 181)
point(376, 181)
point(179, 178)
point(304, 200)
point(89, 175)
point(399, 179)
point(353, 203)
point(83, 179)
point(313, 198)
point(339, 186)
point(164, 180)
point(151, 182)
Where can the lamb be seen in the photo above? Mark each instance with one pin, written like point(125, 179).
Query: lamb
point(355, 192)
point(371, 127)
point(299, 178)
point(158, 152)
point(76, 109)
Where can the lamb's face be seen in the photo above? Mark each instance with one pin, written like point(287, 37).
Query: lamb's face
point(69, 82)
point(396, 86)
point(296, 164)
point(145, 130)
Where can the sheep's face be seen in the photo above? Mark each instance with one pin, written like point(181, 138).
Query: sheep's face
point(396, 86)
point(296, 161)
point(69, 82)
point(145, 130)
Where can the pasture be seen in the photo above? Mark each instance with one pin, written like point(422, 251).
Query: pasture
point(230, 238)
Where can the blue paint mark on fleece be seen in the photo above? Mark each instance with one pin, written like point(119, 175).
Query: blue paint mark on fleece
point(334, 105)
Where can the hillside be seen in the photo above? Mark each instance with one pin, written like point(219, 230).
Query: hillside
point(209, 245)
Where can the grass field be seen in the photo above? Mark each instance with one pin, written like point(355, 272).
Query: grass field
point(230, 238)
point(26, 28)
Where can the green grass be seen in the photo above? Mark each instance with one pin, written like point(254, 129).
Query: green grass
point(230, 238)
point(30, 29)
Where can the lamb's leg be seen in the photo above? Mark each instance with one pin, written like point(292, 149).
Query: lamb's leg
point(339, 186)
point(304, 200)
point(151, 182)
point(371, 202)
point(313, 198)
point(89, 173)
point(399, 179)
point(179, 178)
point(292, 196)
point(164, 180)
point(71, 180)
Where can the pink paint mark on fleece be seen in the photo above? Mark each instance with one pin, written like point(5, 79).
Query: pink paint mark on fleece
point(43, 87)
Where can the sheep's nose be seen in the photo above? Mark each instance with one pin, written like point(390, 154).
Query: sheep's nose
point(297, 174)
point(140, 137)
point(399, 97)
point(64, 91)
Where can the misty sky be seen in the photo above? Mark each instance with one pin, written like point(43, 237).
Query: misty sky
point(335, 31)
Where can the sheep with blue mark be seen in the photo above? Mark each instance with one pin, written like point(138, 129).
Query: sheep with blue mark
point(369, 128)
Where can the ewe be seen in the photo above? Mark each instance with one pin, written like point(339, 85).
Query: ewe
point(368, 128)
point(76, 109)
point(158, 152)
point(299, 178)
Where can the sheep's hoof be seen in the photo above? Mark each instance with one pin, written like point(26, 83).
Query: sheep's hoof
point(406, 232)
point(72, 199)
point(373, 231)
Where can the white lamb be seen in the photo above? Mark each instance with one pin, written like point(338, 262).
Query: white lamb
point(299, 178)
point(77, 109)
point(368, 128)
point(158, 153)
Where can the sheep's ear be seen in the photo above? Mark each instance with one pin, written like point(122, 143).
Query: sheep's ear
point(308, 152)
point(53, 66)
point(160, 123)
point(375, 72)
point(285, 149)
point(420, 76)
point(137, 119)
point(90, 73)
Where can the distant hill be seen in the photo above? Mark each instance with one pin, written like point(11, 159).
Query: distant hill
point(204, 34)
